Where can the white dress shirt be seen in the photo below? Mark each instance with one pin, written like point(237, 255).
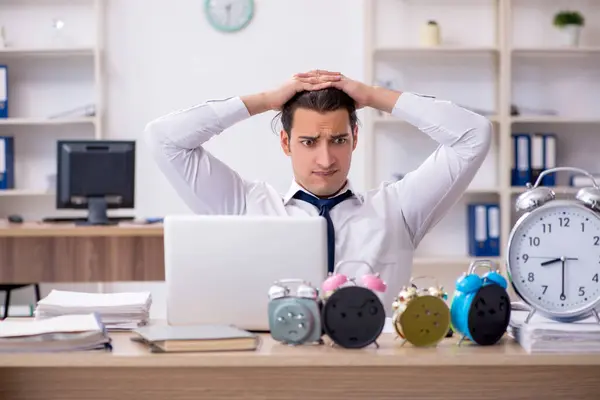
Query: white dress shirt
point(382, 226)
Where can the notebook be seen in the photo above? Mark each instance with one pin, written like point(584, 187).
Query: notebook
point(195, 338)
point(63, 333)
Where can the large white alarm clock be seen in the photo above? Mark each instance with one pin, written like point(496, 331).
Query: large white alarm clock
point(553, 258)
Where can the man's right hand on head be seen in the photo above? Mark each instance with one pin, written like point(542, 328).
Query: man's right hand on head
point(276, 98)
point(313, 80)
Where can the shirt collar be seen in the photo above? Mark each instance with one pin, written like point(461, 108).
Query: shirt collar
point(295, 187)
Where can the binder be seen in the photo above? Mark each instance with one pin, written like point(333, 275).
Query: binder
point(3, 91)
point(493, 231)
point(521, 169)
point(7, 163)
point(549, 145)
point(477, 230)
point(537, 156)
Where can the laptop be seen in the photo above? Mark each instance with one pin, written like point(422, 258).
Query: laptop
point(219, 269)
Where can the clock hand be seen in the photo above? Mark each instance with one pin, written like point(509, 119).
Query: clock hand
point(550, 261)
point(555, 260)
point(228, 8)
point(562, 295)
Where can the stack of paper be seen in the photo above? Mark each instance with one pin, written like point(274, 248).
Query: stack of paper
point(542, 335)
point(65, 333)
point(122, 311)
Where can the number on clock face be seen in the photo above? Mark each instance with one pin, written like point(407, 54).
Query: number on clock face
point(555, 258)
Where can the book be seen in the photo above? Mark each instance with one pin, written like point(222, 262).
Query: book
point(63, 333)
point(195, 338)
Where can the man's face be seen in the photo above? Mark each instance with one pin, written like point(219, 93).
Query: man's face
point(320, 146)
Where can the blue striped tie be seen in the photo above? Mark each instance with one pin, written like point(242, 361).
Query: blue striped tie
point(324, 206)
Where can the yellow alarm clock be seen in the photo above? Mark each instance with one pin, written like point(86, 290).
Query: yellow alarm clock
point(421, 316)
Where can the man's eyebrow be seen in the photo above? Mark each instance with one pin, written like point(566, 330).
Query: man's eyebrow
point(309, 137)
point(340, 135)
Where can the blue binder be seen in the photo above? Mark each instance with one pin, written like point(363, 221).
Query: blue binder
point(549, 149)
point(537, 156)
point(3, 91)
point(521, 168)
point(493, 230)
point(7, 163)
point(477, 230)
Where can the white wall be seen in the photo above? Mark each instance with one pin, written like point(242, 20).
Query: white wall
point(184, 61)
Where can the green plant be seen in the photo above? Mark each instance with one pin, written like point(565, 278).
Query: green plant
point(564, 18)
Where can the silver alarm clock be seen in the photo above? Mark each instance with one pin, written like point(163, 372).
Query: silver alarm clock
point(553, 258)
point(295, 319)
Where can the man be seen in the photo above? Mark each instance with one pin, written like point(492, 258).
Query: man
point(318, 111)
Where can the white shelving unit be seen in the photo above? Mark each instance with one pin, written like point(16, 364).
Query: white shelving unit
point(507, 54)
point(51, 71)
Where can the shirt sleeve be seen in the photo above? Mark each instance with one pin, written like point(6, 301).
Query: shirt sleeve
point(426, 194)
point(205, 183)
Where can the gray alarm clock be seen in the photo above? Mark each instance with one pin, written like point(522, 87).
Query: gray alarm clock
point(295, 319)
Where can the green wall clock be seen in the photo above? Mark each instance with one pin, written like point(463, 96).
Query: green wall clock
point(229, 15)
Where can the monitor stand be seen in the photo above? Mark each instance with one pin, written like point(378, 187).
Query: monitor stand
point(97, 213)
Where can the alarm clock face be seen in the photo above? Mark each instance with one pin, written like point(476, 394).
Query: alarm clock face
point(353, 317)
point(554, 258)
point(425, 321)
point(489, 315)
point(229, 15)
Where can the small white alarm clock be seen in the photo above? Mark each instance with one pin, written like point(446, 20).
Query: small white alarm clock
point(553, 259)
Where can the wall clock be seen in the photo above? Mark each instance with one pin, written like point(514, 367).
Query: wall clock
point(554, 251)
point(229, 15)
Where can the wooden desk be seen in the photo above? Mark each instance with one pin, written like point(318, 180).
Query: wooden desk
point(280, 372)
point(36, 252)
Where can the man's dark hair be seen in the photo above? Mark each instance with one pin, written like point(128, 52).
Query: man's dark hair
point(325, 100)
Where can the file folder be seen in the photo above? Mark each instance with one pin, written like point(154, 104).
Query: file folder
point(3, 91)
point(493, 232)
point(537, 156)
point(521, 169)
point(477, 230)
point(549, 158)
point(7, 161)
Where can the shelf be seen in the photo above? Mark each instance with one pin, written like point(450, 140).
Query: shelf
point(47, 52)
point(47, 121)
point(25, 193)
point(554, 119)
point(453, 260)
point(556, 189)
point(482, 191)
point(556, 51)
point(441, 50)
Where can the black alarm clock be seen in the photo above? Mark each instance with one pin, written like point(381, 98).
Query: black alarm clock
point(353, 316)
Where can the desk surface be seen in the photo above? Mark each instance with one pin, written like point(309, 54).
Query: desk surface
point(280, 372)
point(127, 353)
point(39, 229)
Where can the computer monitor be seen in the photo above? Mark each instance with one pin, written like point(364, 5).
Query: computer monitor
point(96, 175)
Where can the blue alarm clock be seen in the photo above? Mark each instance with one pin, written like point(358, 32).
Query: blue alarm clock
point(480, 309)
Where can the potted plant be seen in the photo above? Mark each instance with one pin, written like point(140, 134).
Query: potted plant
point(570, 24)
